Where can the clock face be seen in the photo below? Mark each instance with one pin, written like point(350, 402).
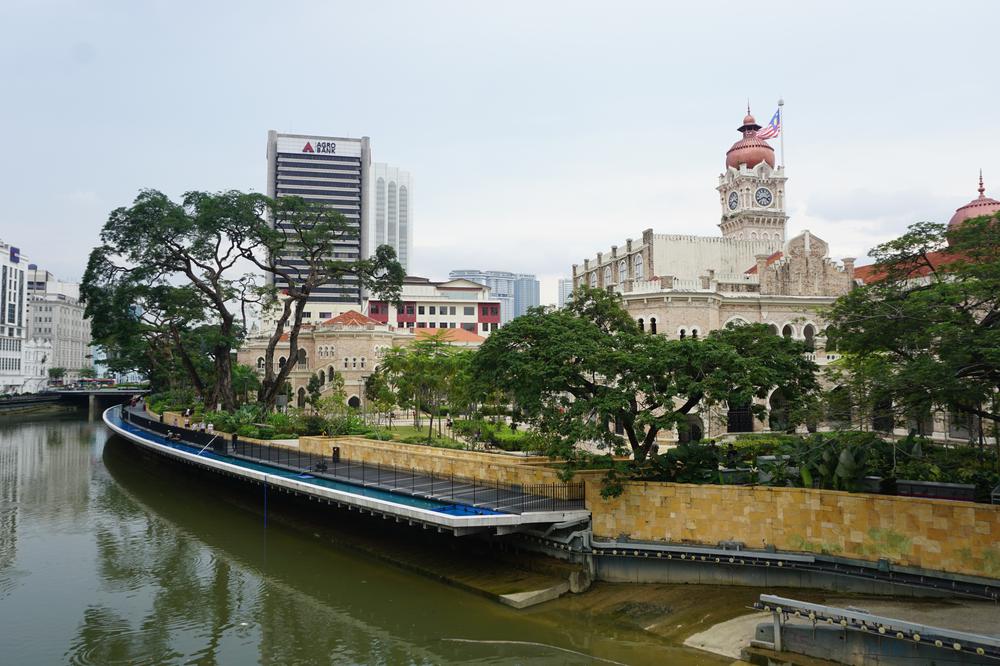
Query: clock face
point(763, 197)
point(734, 200)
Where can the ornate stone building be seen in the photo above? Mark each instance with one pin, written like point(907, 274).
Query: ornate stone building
point(683, 285)
point(351, 345)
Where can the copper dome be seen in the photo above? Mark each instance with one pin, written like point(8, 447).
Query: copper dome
point(982, 205)
point(749, 150)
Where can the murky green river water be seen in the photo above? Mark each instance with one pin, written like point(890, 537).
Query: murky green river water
point(110, 558)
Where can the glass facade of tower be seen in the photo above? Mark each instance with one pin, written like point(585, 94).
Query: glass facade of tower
point(328, 170)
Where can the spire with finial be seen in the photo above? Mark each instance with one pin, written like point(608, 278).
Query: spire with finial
point(982, 189)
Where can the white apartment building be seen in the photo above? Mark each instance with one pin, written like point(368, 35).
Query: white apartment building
point(13, 313)
point(460, 304)
point(55, 316)
point(390, 218)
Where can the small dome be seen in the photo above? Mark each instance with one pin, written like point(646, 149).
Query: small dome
point(981, 205)
point(749, 150)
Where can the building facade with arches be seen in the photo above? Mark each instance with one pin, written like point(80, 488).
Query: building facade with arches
point(351, 345)
point(684, 286)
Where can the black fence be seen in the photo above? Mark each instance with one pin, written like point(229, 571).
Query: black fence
point(507, 498)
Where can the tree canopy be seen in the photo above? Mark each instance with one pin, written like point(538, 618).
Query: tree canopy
point(930, 321)
point(169, 286)
point(576, 372)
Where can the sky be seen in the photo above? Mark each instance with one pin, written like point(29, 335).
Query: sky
point(538, 133)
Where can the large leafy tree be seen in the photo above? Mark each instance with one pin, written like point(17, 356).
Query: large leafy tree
point(170, 283)
point(198, 243)
point(312, 233)
point(931, 319)
point(574, 372)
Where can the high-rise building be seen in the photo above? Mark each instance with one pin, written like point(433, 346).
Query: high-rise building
point(13, 312)
point(565, 290)
point(55, 316)
point(516, 291)
point(333, 171)
point(390, 220)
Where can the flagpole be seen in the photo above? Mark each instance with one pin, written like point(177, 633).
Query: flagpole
point(781, 118)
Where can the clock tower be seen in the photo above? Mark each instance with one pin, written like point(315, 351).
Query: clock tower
point(752, 190)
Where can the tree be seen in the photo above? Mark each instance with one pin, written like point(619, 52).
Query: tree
point(930, 319)
point(156, 242)
point(57, 373)
point(245, 382)
point(86, 373)
point(313, 390)
point(312, 233)
point(426, 374)
point(575, 372)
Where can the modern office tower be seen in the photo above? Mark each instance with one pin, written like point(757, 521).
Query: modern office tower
point(516, 291)
point(55, 315)
point(390, 220)
point(565, 290)
point(333, 171)
point(13, 327)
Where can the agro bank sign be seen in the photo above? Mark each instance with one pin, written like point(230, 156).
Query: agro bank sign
point(319, 146)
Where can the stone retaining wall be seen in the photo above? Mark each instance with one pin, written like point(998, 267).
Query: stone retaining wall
point(466, 464)
point(939, 535)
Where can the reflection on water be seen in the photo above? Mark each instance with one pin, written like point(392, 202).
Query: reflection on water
point(107, 557)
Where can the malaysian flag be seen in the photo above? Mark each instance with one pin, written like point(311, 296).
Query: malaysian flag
point(773, 128)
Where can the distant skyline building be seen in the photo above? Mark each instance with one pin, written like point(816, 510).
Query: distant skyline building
point(13, 315)
point(333, 171)
point(516, 291)
point(390, 220)
point(565, 290)
point(55, 316)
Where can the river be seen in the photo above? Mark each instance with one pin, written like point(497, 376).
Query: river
point(107, 557)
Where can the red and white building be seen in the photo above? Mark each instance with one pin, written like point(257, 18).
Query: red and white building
point(459, 304)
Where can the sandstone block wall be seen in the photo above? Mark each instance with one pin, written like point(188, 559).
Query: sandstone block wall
point(466, 464)
point(940, 535)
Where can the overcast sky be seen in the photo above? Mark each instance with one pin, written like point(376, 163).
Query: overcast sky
point(537, 132)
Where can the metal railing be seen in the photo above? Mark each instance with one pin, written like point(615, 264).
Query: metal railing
point(461, 491)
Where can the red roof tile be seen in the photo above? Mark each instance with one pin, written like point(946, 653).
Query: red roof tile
point(450, 334)
point(351, 318)
point(770, 260)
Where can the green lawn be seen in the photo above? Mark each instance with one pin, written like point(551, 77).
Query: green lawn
point(412, 434)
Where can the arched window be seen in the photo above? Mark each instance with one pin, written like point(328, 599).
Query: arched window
point(652, 325)
point(683, 333)
point(694, 333)
point(362, 361)
point(642, 324)
point(302, 356)
point(330, 373)
point(788, 331)
point(593, 279)
point(354, 362)
point(809, 333)
point(765, 236)
point(739, 418)
point(354, 402)
point(774, 329)
point(607, 275)
point(322, 378)
point(691, 430)
point(260, 362)
point(347, 362)
point(753, 235)
point(779, 412)
point(301, 401)
point(281, 362)
point(622, 271)
point(637, 267)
